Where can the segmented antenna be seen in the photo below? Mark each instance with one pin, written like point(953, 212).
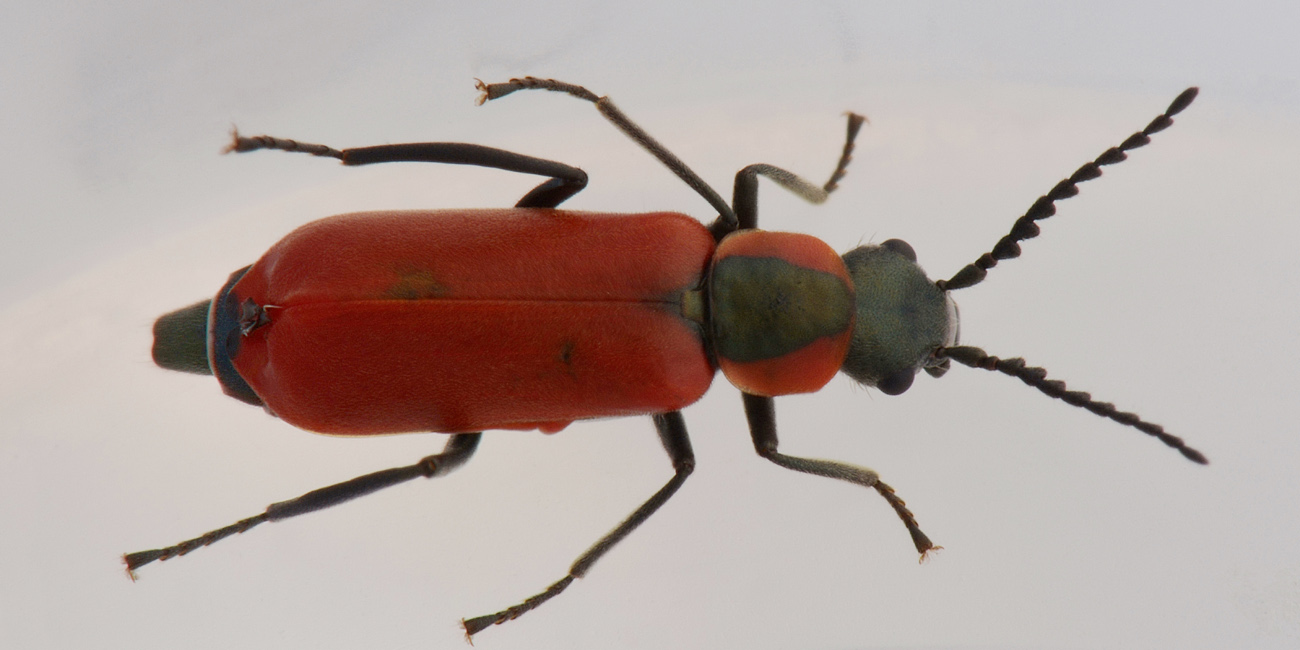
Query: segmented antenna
point(1037, 377)
point(1025, 228)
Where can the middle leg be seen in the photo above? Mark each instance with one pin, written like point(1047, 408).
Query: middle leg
point(672, 433)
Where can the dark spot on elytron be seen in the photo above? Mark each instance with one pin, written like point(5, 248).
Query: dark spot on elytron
point(415, 284)
point(565, 357)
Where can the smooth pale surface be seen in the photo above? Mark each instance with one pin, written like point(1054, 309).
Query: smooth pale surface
point(1168, 286)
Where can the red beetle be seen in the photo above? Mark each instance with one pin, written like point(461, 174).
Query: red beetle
point(458, 321)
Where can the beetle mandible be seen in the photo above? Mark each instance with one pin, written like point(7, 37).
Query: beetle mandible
point(393, 322)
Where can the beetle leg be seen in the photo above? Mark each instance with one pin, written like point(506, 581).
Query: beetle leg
point(627, 126)
point(761, 413)
point(744, 198)
point(458, 450)
point(672, 432)
point(564, 183)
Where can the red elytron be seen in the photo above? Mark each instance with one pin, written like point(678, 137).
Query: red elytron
point(460, 321)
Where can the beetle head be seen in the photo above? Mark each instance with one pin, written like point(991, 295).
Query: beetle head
point(902, 319)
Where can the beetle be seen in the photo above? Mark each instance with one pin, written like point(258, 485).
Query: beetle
point(459, 321)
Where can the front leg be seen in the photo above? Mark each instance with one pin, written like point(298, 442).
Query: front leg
point(744, 198)
point(761, 413)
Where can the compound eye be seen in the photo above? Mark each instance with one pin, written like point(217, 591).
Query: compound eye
point(897, 383)
point(901, 247)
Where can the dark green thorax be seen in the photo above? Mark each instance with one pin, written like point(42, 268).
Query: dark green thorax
point(766, 307)
point(902, 317)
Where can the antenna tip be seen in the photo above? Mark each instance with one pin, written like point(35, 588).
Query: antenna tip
point(1194, 456)
point(1182, 101)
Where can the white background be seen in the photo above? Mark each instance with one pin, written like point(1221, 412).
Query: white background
point(1168, 286)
